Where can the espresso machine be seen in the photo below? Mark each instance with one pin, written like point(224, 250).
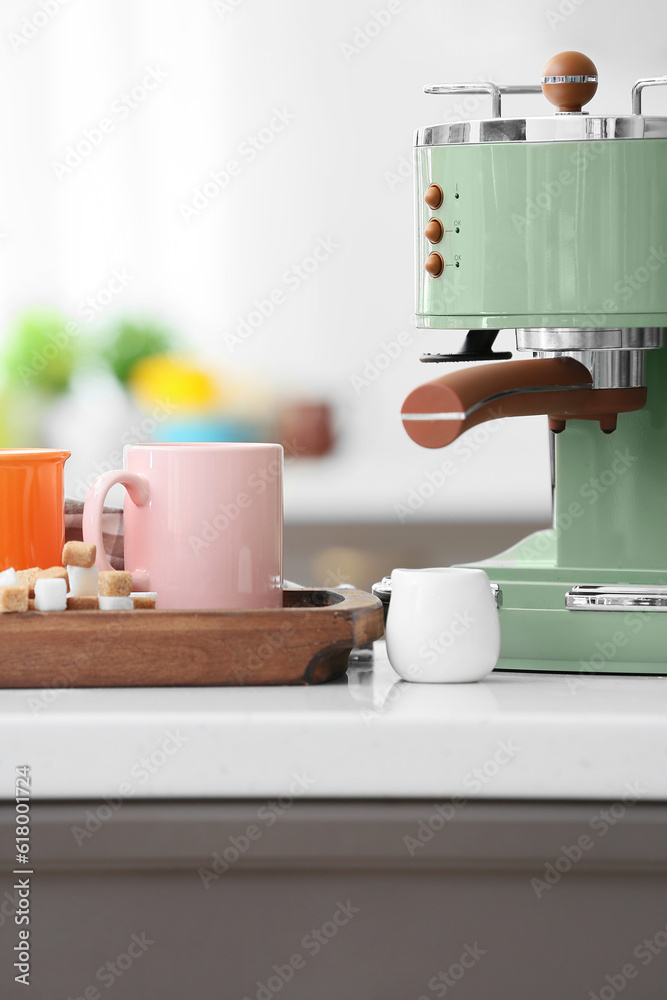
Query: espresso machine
point(556, 227)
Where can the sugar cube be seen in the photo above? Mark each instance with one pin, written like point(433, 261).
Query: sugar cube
point(27, 578)
point(9, 578)
point(13, 599)
point(50, 594)
point(79, 554)
point(144, 600)
point(31, 604)
point(82, 603)
point(53, 573)
point(82, 580)
point(115, 583)
point(115, 603)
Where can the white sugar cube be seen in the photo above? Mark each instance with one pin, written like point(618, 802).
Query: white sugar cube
point(50, 595)
point(83, 581)
point(9, 578)
point(116, 603)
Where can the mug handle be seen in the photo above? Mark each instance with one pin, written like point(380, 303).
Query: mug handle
point(138, 490)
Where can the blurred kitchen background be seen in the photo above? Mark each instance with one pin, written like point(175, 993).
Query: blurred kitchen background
point(206, 232)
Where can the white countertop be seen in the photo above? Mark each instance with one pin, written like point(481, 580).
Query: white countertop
point(371, 735)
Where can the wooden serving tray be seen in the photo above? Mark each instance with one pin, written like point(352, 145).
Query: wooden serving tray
point(307, 641)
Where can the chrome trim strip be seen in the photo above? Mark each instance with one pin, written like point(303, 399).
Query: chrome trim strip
point(569, 79)
point(554, 128)
point(592, 597)
point(434, 416)
point(609, 369)
point(558, 338)
point(614, 357)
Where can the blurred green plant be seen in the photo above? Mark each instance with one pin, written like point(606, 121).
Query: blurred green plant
point(41, 352)
point(129, 342)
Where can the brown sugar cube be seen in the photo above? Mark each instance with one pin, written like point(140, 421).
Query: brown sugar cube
point(82, 604)
point(53, 573)
point(115, 583)
point(31, 604)
point(27, 578)
point(144, 602)
point(13, 599)
point(79, 554)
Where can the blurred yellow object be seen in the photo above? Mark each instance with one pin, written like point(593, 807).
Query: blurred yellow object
point(176, 379)
point(339, 565)
point(249, 398)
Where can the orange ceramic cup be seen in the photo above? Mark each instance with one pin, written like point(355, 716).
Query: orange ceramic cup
point(32, 507)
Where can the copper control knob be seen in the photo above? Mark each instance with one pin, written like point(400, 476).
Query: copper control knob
point(434, 196)
point(434, 231)
point(569, 80)
point(435, 265)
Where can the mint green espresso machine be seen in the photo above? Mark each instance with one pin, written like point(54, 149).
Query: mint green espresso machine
point(556, 227)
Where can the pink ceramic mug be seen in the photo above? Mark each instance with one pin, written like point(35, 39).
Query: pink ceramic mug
point(203, 523)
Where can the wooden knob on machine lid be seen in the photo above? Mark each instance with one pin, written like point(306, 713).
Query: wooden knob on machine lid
point(570, 80)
